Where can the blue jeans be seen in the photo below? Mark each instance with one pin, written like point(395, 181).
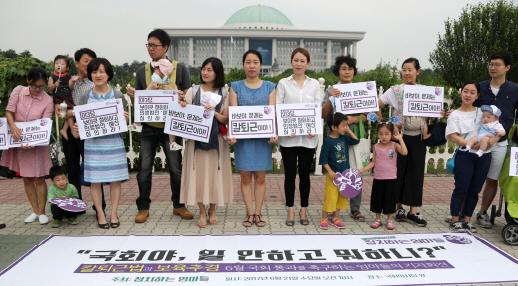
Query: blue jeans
point(470, 174)
point(149, 139)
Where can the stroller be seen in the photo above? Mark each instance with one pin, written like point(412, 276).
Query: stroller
point(509, 187)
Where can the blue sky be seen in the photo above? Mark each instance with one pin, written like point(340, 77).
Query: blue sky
point(117, 30)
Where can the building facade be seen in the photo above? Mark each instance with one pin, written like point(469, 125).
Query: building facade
point(265, 29)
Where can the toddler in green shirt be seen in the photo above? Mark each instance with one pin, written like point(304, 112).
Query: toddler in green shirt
point(61, 189)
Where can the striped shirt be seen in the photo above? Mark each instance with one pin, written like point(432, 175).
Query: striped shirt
point(81, 87)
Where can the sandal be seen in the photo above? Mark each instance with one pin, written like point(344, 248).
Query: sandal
point(247, 222)
point(115, 224)
point(202, 221)
point(259, 220)
point(357, 216)
point(104, 225)
point(213, 219)
point(303, 221)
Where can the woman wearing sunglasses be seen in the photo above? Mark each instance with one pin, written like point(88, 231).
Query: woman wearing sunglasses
point(32, 162)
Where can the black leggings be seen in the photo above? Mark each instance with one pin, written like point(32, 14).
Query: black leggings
point(305, 159)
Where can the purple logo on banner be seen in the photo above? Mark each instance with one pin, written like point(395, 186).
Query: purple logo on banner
point(457, 239)
point(206, 114)
point(1, 123)
point(350, 183)
point(43, 122)
point(70, 204)
point(437, 91)
point(370, 86)
point(267, 110)
point(117, 101)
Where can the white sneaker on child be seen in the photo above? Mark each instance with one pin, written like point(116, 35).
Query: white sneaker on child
point(465, 148)
point(480, 152)
point(43, 219)
point(32, 218)
point(135, 128)
point(175, 147)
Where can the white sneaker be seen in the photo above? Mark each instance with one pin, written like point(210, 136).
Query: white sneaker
point(480, 152)
point(175, 147)
point(32, 218)
point(135, 128)
point(465, 148)
point(43, 219)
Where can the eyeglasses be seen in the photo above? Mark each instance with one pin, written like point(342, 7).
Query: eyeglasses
point(37, 86)
point(153, 46)
point(494, 65)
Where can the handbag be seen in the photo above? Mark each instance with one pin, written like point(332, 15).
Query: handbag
point(359, 154)
point(450, 166)
point(438, 134)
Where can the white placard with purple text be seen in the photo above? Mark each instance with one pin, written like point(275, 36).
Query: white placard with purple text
point(190, 122)
point(3, 134)
point(100, 119)
point(251, 121)
point(299, 118)
point(513, 168)
point(421, 100)
point(34, 133)
point(276, 259)
point(360, 97)
point(151, 105)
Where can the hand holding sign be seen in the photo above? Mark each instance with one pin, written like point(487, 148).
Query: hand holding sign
point(100, 119)
point(349, 182)
point(299, 119)
point(358, 97)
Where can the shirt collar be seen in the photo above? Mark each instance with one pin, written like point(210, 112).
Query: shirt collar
point(38, 97)
point(291, 78)
point(85, 80)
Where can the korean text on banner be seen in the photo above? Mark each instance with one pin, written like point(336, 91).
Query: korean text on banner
point(190, 122)
point(357, 97)
point(151, 105)
point(423, 100)
point(513, 168)
point(299, 118)
point(34, 133)
point(251, 121)
point(100, 119)
point(3, 134)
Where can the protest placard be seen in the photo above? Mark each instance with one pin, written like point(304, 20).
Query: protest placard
point(100, 119)
point(513, 168)
point(357, 97)
point(34, 133)
point(190, 122)
point(423, 100)
point(299, 118)
point(151, 105)
point(3, 133)
point(251, 121)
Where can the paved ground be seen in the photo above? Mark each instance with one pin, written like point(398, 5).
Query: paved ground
point(19, 237)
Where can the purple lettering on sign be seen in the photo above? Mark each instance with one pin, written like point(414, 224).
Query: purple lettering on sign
point(358, 103)
point(31, 137)
point(290, 113)
point(190, 128)
point(98, 112)
point(424, 106)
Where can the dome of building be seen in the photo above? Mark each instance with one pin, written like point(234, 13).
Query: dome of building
point(258, 17)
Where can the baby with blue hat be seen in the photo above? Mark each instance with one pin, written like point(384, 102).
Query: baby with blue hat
point(490, 127)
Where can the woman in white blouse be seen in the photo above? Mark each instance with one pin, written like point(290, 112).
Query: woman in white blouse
point(470, 169)
point(298, 88)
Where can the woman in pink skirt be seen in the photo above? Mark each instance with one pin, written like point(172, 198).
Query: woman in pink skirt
point(32, 162)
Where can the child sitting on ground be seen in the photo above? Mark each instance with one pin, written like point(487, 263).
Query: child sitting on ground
point(490, 127)
point(335, 159)
point(61, 189)
point(159, 80)
point(61, 86)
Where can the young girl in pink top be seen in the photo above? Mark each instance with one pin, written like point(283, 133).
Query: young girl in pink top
point(384, 158)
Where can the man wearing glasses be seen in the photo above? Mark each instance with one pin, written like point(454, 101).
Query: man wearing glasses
point(504, 94)
point(153, 132)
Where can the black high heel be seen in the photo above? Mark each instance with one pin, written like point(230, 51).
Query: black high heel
point(104, 225)
point(115, 224)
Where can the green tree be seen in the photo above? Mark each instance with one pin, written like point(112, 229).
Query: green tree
point(464, 51)
point(9, 54)
point(26, 54)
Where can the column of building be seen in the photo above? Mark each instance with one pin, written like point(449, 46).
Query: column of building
point(191, 51)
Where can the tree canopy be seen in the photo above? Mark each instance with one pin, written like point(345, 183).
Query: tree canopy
point(464, 51)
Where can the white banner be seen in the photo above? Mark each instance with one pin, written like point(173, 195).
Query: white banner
point(151, 105)
point(100, 119)
point(3, 133)
point(251, 121)
point(360, 97)
point(299, 118)
point(421, 100)
point(513, 168)
point(355, 259)
point(190, 122)
point(34, 133)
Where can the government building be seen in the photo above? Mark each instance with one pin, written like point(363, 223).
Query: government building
point(265, 29)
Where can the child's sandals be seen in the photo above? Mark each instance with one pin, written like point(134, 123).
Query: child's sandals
point(337, 223)
point(323, 224)
point(376, 224)
point(175, 147)
point(357, 216)
point(390, 225)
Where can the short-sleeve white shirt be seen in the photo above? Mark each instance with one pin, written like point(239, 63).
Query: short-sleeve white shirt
point(463, 123)
point(288, 91)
